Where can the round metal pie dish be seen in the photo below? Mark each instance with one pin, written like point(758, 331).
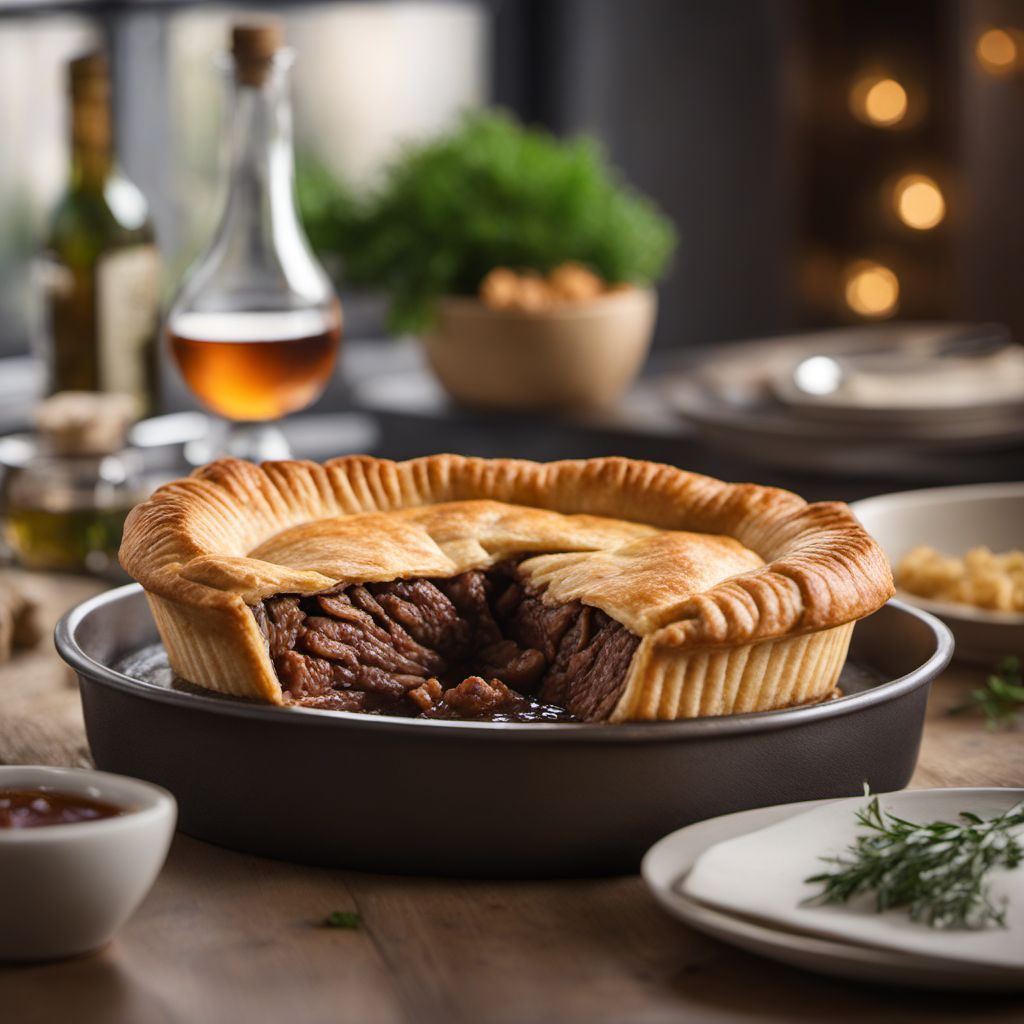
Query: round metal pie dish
point(487, 799)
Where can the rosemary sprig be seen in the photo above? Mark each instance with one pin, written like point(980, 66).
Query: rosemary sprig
point(937, 870)
point(1001, 699)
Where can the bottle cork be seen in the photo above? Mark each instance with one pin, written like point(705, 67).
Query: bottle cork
point(89, 74)
point(253, 47)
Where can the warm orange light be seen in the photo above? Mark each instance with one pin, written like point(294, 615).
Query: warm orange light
point(919, 202)
point(871, 289)
point(998, 51)
point(878, 101)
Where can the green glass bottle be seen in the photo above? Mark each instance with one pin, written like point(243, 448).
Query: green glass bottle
point(100, 269)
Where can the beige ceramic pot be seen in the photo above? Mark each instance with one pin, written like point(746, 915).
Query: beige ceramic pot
point(570, 357)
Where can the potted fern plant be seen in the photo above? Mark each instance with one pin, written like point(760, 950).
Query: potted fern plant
point(521, 260)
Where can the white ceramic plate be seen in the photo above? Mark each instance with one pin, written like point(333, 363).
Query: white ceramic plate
point(669, 860)
point(953, 520)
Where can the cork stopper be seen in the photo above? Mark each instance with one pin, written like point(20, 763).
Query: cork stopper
point(253, 47)
point(85, 422)
point(90, 75)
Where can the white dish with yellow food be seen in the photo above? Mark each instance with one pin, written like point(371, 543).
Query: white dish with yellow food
point(958, 552)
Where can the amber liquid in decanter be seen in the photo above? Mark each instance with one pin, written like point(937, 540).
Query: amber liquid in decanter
point(255, 325)
point(256, 366)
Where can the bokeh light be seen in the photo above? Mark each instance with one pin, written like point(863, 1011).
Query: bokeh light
point(879, 101)
point(919, 202)
point(871, 289)
point(998, 51)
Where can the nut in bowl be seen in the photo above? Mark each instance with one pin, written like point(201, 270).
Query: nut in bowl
point(79, 851)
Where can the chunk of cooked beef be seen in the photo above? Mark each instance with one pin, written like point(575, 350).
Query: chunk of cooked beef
point(590, 667)
point(284, 621)
point(361, 610)
point(305, 676)
point(331, 638)
point(427, 694)
point(337, 700)
point(470, 594)
point(517, 666)
point(477, 645)
point(540, 626)
point(426, 614)
point(475, 698)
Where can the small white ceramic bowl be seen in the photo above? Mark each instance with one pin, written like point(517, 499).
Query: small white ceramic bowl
point(953, 520)
point(66, 889)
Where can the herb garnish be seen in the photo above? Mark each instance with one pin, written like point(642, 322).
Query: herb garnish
point(935, 870)
point(343, 919)
point(1001, 699)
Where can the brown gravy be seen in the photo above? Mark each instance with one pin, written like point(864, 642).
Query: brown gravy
point(32, 808)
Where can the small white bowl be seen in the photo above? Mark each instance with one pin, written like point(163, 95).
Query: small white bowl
point(66, 889)
point(953, 520)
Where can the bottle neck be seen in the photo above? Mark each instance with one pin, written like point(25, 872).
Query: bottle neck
point(259, 258)
point(261, 202)
point(92, 151)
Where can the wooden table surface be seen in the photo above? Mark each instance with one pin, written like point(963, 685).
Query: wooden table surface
point(224, 937)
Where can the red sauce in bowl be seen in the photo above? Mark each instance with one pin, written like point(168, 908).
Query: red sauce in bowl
point(32, 808)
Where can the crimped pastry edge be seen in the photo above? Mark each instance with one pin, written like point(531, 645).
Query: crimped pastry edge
point(822, 569)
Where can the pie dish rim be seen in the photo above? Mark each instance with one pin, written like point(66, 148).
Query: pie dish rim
point(71, 651)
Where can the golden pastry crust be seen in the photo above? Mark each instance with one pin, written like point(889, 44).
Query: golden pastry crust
point(689, 563)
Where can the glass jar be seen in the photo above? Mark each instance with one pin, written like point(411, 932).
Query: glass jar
point(66, 503)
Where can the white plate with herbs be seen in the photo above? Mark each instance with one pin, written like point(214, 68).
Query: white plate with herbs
point(743, 878)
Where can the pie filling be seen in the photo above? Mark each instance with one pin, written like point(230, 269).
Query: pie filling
point(480, 646)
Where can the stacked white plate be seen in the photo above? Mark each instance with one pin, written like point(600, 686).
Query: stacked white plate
point(741, 878)
point(937, 401)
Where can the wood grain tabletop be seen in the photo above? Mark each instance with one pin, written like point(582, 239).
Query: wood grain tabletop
point(225, 937)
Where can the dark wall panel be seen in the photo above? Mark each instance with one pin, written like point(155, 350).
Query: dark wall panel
point(695, 103)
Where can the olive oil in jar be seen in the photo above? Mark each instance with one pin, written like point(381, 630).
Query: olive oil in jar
point(71, 538)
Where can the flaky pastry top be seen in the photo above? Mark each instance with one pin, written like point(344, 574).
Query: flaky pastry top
point(683, 558)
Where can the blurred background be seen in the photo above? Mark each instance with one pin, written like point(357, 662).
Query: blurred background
point(752, 123)
point(842, 176)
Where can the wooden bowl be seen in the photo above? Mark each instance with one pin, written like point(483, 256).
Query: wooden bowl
point(573, 356)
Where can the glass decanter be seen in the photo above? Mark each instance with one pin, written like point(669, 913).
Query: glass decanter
point(255, 326)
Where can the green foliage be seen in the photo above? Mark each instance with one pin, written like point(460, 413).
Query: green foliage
point(326, 206)
point(490, 193)
point(938, 871)
point(1001, 699)
point(343, 919)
